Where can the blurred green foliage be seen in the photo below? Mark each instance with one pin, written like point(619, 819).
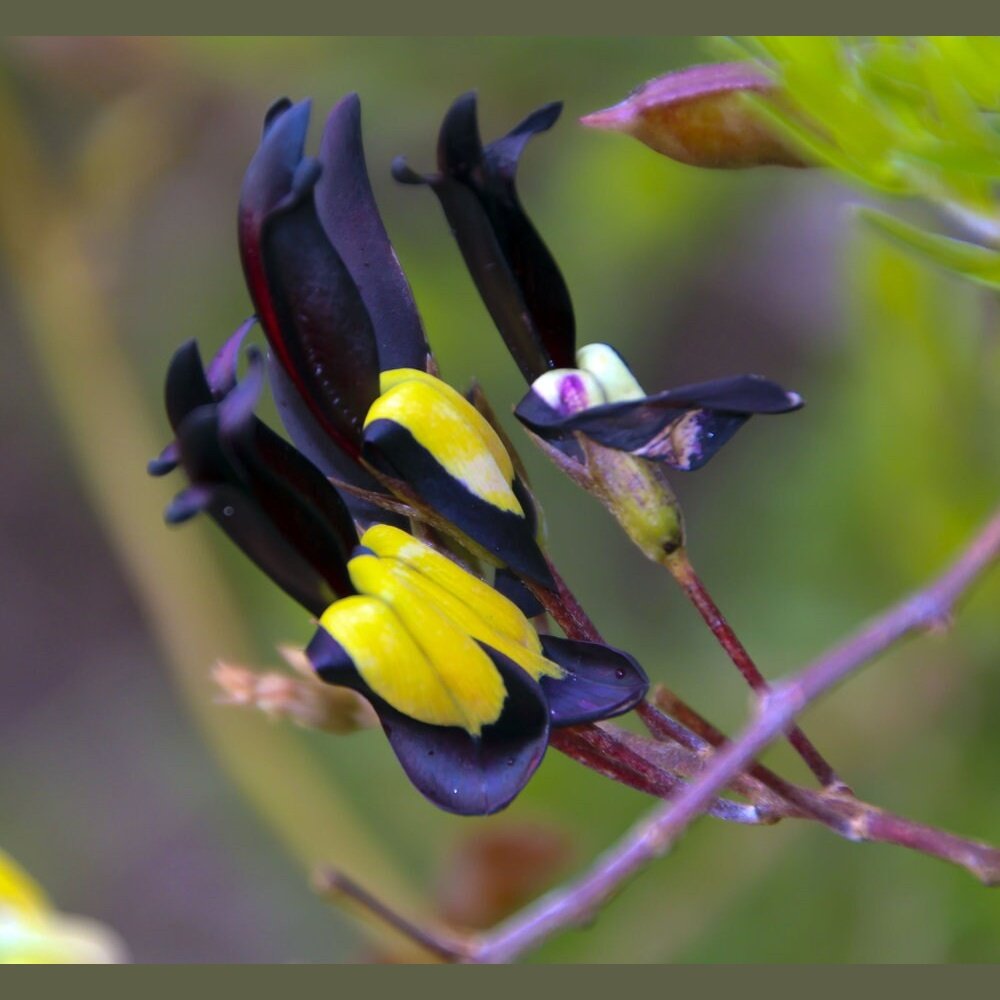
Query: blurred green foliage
point(801, 528)
point(910, 116)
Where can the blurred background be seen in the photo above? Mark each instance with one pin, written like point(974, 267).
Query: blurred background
point(191, 828)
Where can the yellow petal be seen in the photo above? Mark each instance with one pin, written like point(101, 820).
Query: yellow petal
point(499, 613)
point(527, 658)
point(469, 691)
point(18, 891)
point(452, 430)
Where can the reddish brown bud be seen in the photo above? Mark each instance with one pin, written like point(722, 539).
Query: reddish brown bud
point(493, 873)
point(699, 116)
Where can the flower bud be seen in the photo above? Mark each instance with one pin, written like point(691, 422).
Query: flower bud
point(699, 116)
point(634, 490)
point(637, 493)
point(569, 390)
point(615, 377)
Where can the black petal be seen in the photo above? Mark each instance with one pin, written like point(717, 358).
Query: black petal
point(222, 369)
point(302, 504)
point(323, 451)
point(517, 277)
point(307, 301)
point(681, 427)
point(190, 385)
point(392, 449)
point(600, 681)
point(463, 774)
point(346, 207)
point(509, 586)
point(186, 386)
point(223, 494)
point(322, 333)
point(165, 462)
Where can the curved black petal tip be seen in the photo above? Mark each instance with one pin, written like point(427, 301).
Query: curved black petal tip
point(274, 112)
point(462, 774)
point(187, 504)
point(349, 214)
point(405, 174)
point(516, 275)
point(165, 462)
point(600, 681)
point(186, 386)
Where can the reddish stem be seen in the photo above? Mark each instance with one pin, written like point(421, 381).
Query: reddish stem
point(683, 572)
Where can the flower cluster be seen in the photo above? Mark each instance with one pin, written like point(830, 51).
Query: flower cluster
point(465, 688)
point(397, 493)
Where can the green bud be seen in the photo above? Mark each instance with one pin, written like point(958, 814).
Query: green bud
point(637, 494)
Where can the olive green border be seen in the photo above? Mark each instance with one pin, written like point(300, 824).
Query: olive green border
point(734, 982)
point(451, 17)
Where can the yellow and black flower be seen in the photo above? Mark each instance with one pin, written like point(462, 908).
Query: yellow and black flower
point(350, 365)
point(465, 688)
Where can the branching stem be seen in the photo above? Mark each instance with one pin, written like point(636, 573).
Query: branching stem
point(679, 566)
point(653, 836)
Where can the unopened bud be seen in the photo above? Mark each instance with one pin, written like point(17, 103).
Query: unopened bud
point(609, 368)
point(637, 493)
point(634, 490)
point(569, 390)
point(699, 116)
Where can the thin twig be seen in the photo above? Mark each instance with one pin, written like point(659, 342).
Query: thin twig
point(846, 815)
point(445, 944)
point(652, 837)
point(610, 753)
point(679, 566)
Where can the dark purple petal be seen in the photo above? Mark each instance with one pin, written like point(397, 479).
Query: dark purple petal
point(322, 333)
point(307, 301)
point(267, 181)
point(463, 774)
point(508, 585)
point(165, 462)
point(323, 452)
point(347, 210)
point(516, 276)
point(269, 176)
point(186, 387)
point(681, 427)
point(220, 491)
point(189, 385)
point(289, 489)
point(222, 369)
point(188, 503)
point(600, 681)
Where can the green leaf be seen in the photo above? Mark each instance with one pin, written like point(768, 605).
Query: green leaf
point(976, 262)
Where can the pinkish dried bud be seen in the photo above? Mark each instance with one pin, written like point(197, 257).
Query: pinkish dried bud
point(699, 116)
point(306, 702)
